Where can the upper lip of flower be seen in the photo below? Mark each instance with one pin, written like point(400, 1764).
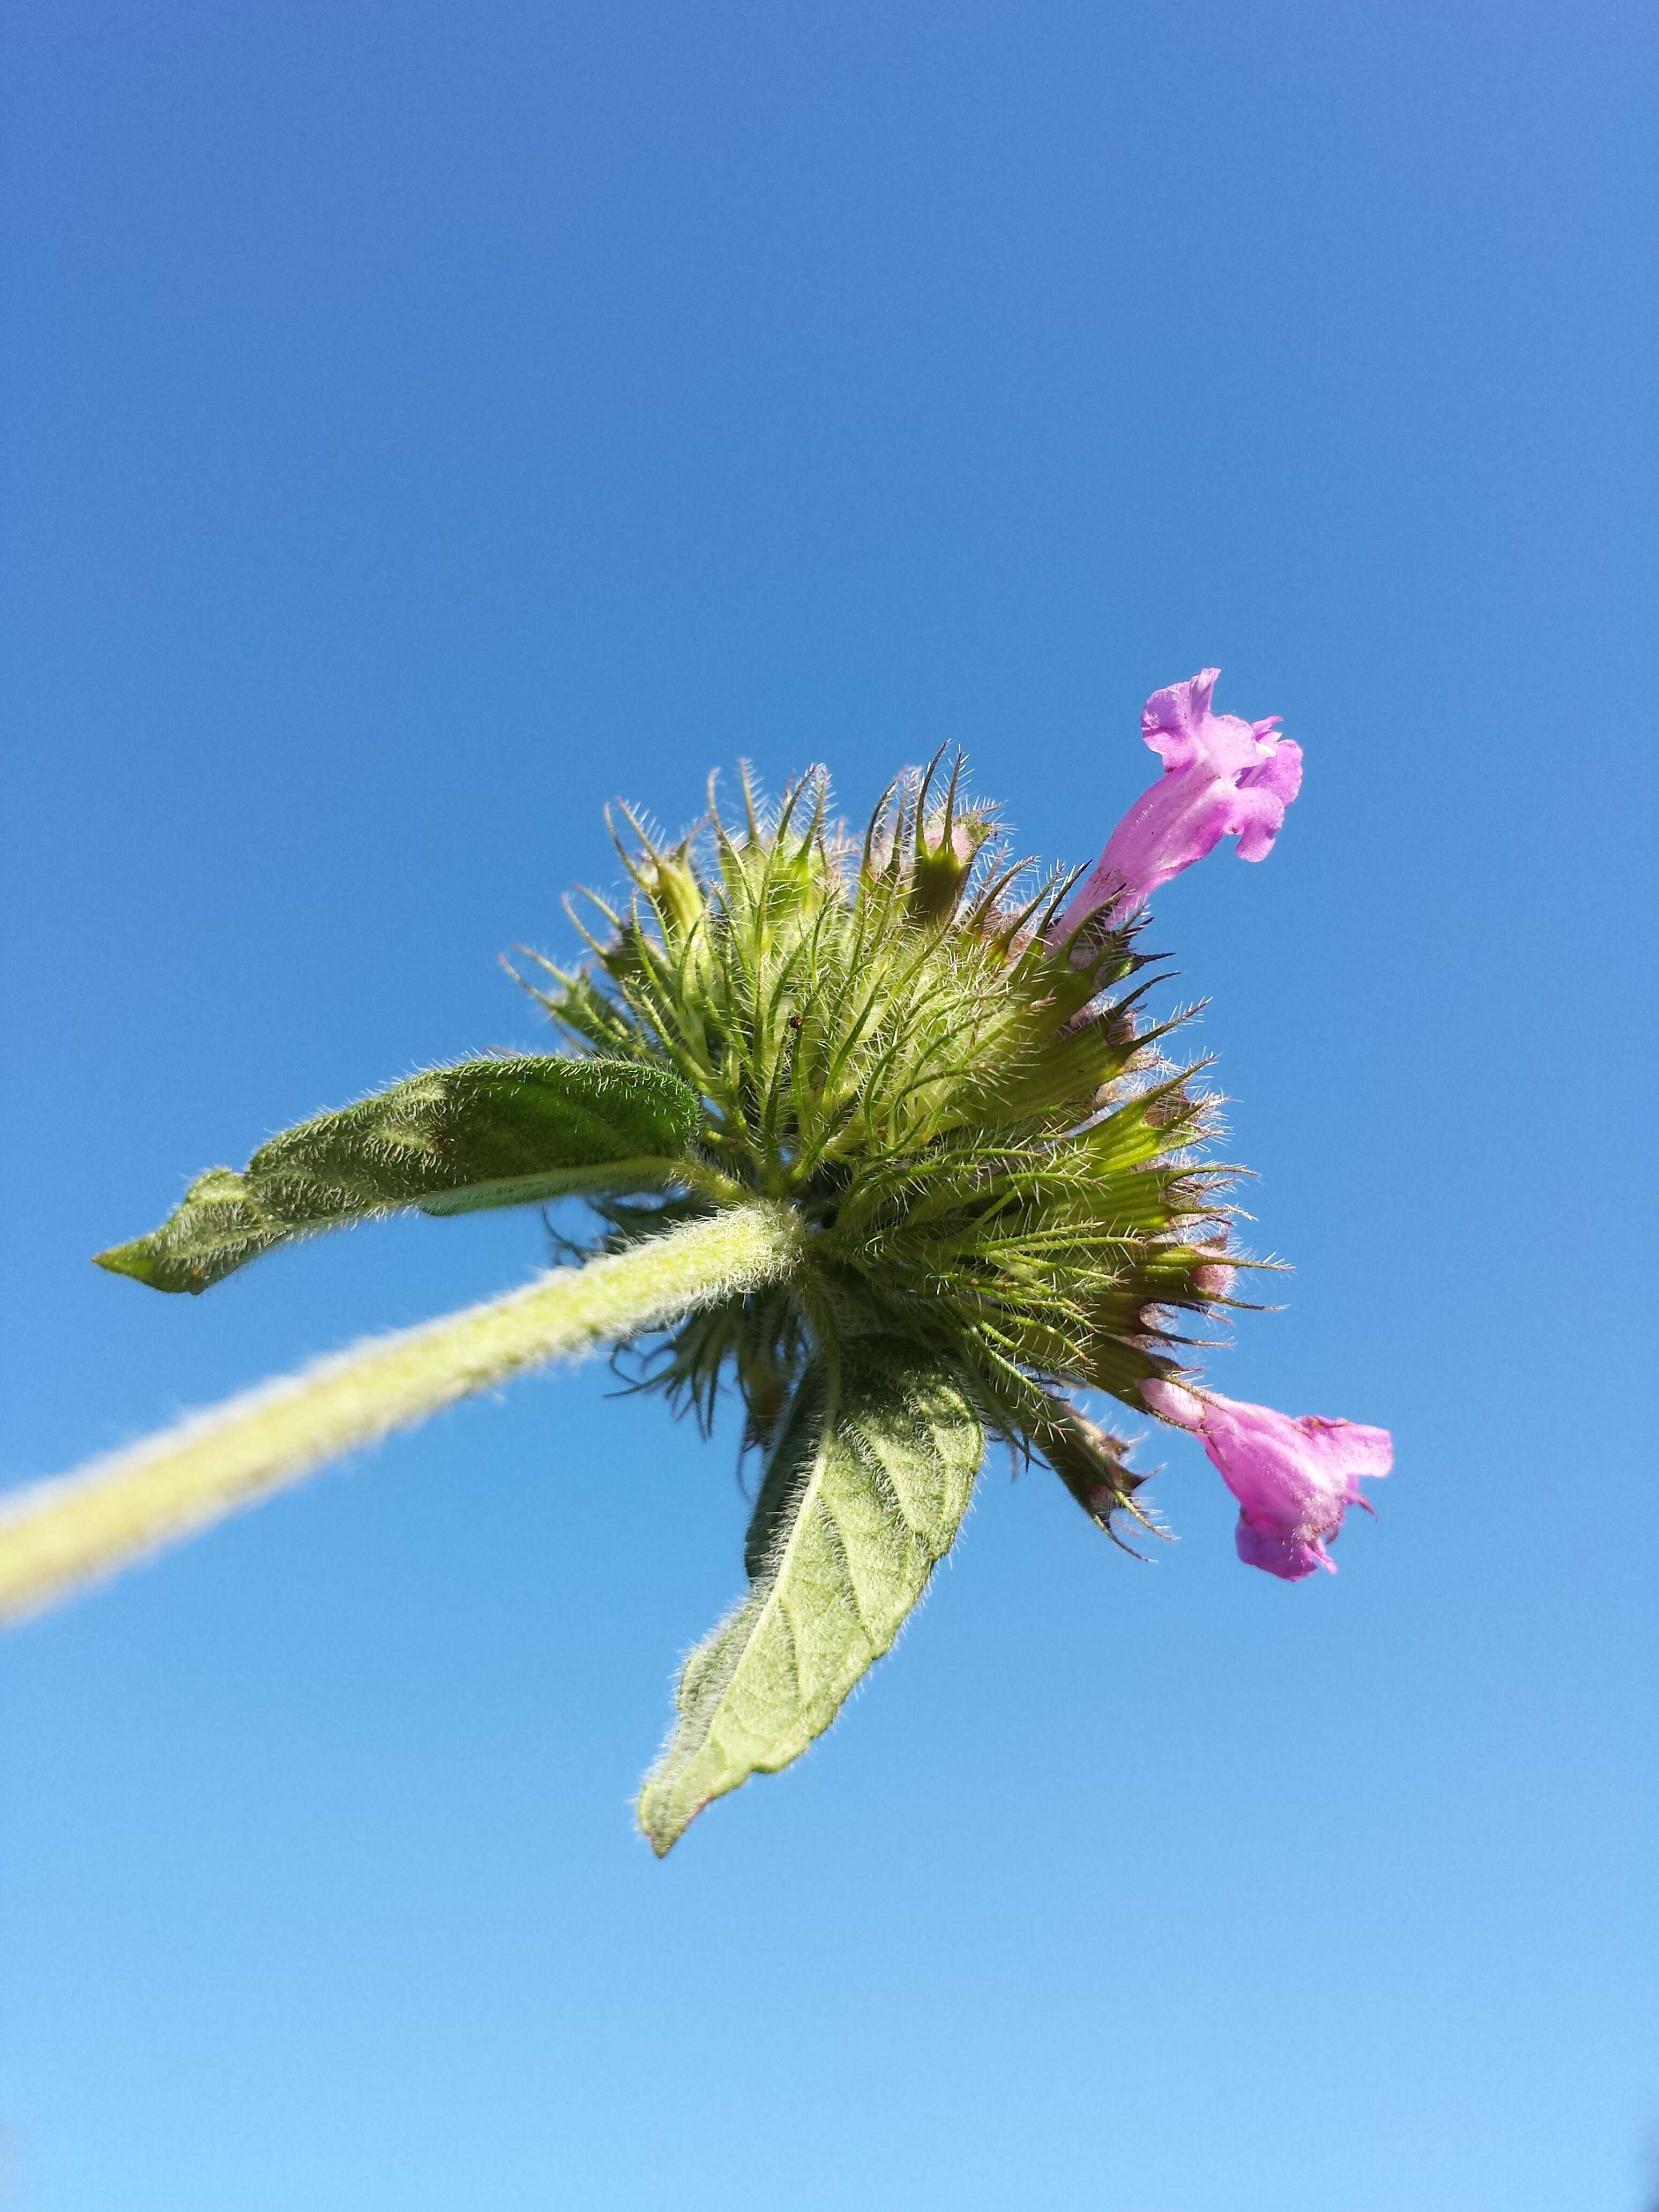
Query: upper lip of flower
point(1181, 727)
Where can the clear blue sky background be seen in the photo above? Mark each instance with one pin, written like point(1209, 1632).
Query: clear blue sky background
point(425, 422)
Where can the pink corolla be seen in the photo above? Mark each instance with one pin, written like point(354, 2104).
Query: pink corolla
point(1294, 1480)
point(1222, 777)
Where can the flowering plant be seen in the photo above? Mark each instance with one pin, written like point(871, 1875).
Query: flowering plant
point(878, 1137)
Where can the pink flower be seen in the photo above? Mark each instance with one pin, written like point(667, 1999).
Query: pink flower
point(1294, 1479)
point(1222, 777)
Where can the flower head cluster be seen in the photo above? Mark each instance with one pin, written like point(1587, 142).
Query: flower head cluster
point(997, 1158)
point(946, 1068)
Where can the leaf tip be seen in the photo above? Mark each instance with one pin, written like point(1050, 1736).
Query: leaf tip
point(661, 1819)
point(144, 1264)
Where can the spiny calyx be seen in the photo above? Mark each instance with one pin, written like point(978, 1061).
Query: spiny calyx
point(994, 1156)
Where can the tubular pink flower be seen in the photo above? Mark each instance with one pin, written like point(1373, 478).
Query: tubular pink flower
point(1294, 1480)
point(1222, 777)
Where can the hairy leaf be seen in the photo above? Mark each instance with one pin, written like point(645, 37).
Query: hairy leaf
point(864, 1494)
point(487, 1133)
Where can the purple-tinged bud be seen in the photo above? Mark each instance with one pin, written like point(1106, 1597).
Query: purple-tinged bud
point(945, 849)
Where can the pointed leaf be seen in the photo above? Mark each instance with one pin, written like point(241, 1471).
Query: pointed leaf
point(487, 1133)
point(864, 1494)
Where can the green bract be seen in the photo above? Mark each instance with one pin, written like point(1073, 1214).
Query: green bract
point(865, 1487)
point(987, 1161)
point(452, 1141)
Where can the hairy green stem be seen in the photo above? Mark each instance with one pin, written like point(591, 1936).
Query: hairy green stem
point(58, 1535)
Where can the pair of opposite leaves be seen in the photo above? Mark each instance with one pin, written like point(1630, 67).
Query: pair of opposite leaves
point(866, 1483)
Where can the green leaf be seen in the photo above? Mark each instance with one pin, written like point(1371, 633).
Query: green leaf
point(864, 1494)
point(488, 1132)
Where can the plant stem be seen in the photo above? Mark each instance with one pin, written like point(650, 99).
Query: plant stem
point(58, 1535)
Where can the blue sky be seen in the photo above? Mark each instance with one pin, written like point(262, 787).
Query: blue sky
point(425, 422)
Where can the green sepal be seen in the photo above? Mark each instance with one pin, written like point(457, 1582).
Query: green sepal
point(865, 1491)
point(489, 1132)
point(946, 842)
point(582, 1008)
point(1090, 1461)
